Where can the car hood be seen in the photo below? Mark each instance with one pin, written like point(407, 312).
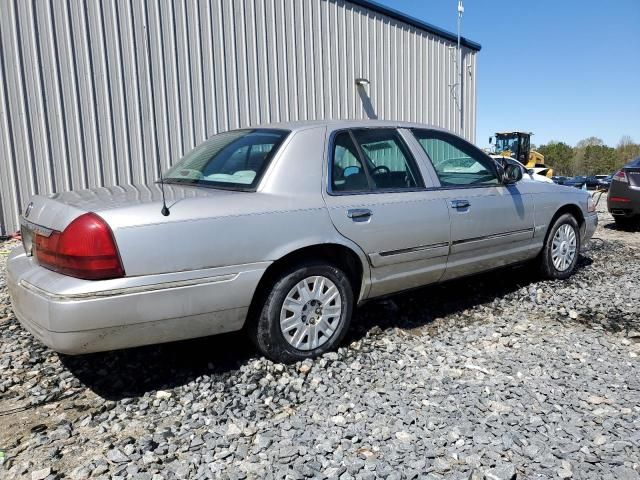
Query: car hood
point(541, 178)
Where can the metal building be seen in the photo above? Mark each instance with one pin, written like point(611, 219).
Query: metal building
point(100, 92)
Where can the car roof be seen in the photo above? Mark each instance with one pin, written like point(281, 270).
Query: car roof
point(340, 124)
point(514, 132)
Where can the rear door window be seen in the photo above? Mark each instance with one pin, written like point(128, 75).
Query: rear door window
point(373, 160)
point(347, 172)
point(390, 164)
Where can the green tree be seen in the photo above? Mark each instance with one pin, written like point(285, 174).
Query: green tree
point(590, 141)
point(590, 156)
point(598, 159)
point(558, 156)
point(626, 151)
point(582, 163)
point(624, 141)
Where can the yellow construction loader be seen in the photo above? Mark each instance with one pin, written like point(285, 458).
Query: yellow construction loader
point(517, 145)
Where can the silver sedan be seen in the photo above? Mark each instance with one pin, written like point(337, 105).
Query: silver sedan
point(282, 230)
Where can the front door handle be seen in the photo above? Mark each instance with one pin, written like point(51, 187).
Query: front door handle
point(459, 204)
point(356, 214)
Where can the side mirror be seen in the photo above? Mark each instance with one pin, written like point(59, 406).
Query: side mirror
point(512, 174)
point(490, 140)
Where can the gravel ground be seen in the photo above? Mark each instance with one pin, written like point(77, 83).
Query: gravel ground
point(494, 377)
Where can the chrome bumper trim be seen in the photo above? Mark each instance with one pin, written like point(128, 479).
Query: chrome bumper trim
point(128, 290)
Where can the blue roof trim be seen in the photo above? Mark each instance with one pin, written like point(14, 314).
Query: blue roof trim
point(390, 12)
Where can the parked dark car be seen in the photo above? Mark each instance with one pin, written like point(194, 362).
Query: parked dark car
point(559, 180)
point(578, 181)
point(623, 201)
point(600, 182)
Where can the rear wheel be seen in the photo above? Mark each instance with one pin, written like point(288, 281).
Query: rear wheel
point(305, 314)
point(559, 256)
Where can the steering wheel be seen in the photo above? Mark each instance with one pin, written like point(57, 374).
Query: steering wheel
point(381, 168)
point(191, 173)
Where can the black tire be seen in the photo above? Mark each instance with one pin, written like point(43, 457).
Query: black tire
point(264, 329)
point(626, 223)
point(547, 268)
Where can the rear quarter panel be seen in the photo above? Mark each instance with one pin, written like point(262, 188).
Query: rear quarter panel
point(264, 234)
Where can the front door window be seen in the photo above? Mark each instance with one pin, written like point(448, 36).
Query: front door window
point(457, 163)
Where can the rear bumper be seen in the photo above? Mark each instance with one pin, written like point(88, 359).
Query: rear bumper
point(84, 316)
point(619, 207)
point(624, 209)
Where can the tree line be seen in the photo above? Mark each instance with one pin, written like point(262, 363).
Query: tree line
point(589, 157)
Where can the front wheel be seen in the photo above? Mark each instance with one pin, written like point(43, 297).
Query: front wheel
point(559, 256)
point(306, 313)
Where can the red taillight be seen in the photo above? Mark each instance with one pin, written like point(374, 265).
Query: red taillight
point(85, 249)
point(619, 199)
point(620, 176)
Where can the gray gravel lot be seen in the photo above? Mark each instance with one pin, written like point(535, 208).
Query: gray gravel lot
point(494, 377)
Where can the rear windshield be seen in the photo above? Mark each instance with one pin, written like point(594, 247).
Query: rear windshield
point(634, 163)
point(234, 160)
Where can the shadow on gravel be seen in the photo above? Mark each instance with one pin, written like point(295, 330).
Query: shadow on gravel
point(631, 227)
point(133, 372)
point(420, 307)
point(615, 322)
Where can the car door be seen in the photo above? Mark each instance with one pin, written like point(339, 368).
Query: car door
point(492, 224)
point(378, 196)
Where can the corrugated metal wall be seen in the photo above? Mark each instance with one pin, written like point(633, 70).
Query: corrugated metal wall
point(94, 92)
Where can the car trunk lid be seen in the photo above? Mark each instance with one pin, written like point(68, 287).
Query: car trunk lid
point(55, 212)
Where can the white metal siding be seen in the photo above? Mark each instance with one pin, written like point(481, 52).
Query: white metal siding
point(93, 93)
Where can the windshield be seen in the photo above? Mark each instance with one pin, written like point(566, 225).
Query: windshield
point(232, 160)
point(507, 143)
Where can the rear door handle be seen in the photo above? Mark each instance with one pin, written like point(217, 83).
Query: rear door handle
point(459, 204)
point(359, 213)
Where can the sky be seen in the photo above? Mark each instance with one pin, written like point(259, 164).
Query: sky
point(562, 69)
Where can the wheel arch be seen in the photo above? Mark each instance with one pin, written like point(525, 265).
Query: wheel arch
point(570, 208)
point(351, 260)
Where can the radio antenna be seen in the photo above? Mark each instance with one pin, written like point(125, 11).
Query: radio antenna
point(460, 91)
point(165, 210)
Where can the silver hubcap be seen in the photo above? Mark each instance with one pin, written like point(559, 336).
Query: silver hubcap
point(311, 313)
point(563, 249)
